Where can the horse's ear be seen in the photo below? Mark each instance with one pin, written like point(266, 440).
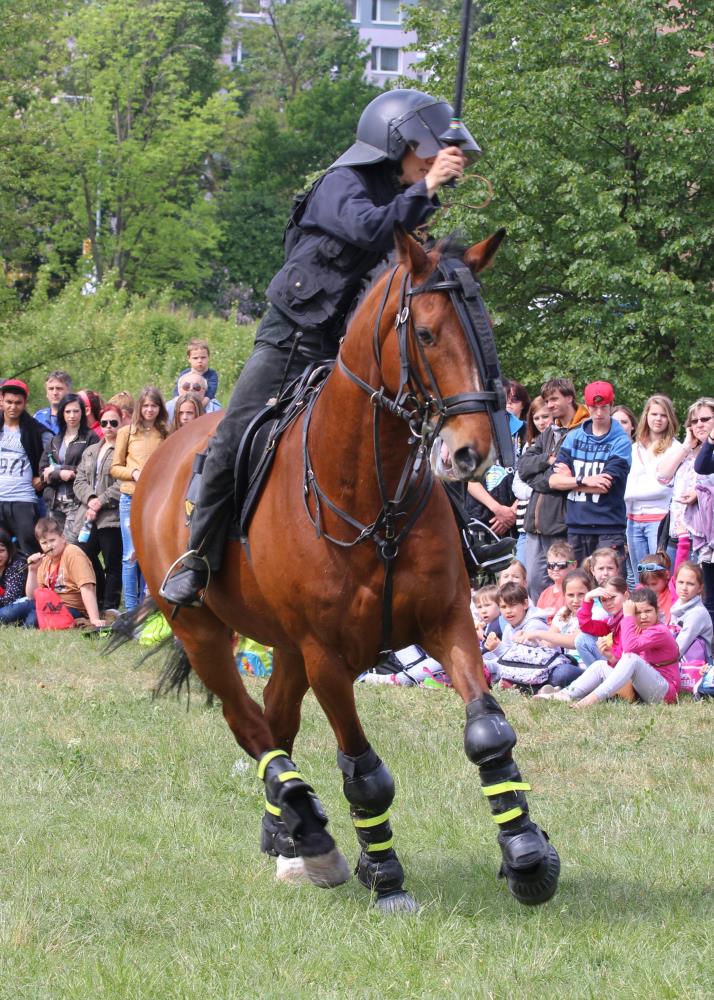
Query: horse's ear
point(410, 253)
point(481, 255)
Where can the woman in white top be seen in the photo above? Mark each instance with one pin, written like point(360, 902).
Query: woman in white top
point(648, 493)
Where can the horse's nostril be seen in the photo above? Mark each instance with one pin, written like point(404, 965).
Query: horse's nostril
point(466, 460)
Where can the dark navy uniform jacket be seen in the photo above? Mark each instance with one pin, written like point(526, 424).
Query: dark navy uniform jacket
point(346, 228)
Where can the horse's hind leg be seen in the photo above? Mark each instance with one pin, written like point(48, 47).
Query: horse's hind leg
point(367, 784)
point(207, 642)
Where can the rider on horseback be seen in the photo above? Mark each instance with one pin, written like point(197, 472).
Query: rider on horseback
point(336, 235)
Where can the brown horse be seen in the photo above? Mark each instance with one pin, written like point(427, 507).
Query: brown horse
point(337, 507)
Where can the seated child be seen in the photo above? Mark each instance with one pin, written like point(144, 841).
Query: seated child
point(519, 615)
point(654, 573)
point(515, 572)
point(560, 559)
point(563, 632)
point(415, 668)
point(649, 660)
point(601, 565)
point(198, 353)
point(66, 569)
point(690, 621)
point(486, 613)
point(601, 638)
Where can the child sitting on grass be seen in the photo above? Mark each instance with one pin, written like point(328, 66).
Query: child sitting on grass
point(649, 661)
point(486, 613)
point(690, 621)
point(64, 568)
point(560, 559)
point(601, 638)
point(515, 572)
point(654, 573)
point(601, 565)
point(519, 615)
point(563, 632)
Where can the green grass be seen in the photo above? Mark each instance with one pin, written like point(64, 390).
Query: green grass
point(129, 864)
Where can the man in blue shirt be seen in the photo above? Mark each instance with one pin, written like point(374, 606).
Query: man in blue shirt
point(593, 464)
point(57, 385)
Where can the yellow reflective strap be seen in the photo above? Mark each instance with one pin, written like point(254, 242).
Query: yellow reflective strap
point(274, 810)
point(511, 814)
point(287, 775)
point(264, 761)
point(506, 786)
point(383, 846)
point(371, 821)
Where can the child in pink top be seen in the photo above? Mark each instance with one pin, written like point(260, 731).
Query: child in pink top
point(654, 573)
point(560, 561)
point(600, 638)
point(650, 659)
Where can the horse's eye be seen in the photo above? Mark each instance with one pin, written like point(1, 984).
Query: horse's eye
point(425, 335)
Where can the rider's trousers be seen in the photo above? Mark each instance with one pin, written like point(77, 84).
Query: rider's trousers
point(269, 367)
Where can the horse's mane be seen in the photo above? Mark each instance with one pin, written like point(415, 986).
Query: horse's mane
point(452, 245)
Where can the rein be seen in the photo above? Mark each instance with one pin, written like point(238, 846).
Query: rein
point(424, 409)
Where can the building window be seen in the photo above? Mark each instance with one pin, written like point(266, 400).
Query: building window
point(384, 60)
point(352, 9)
point(386, 11)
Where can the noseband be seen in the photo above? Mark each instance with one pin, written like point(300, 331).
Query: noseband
point(421, 405)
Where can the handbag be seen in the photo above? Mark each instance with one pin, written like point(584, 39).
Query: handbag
point(51, 612)
point(527, 665)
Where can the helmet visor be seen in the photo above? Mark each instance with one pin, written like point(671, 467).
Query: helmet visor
point(423, 130)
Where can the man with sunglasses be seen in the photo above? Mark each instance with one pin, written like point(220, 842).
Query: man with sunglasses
point(193, 382)
point(339, 231)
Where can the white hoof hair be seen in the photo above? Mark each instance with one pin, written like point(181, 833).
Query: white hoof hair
point(327, 870)
point(290, 870)
point(397, 902)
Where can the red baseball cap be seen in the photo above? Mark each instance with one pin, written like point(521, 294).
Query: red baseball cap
point(15, 385)
point(599, 394)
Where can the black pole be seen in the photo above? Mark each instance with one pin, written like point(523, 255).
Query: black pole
point(463, 58)
point(454, 134)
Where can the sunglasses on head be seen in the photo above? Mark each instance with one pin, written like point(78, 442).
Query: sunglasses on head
point(192, 387)
point(558, 565)
point(108, 423)
point(650, 567)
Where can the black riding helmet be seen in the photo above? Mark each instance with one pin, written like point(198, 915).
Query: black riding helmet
point(399, 120)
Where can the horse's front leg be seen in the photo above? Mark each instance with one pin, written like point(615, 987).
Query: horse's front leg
point(367, 784)
point(530, 863)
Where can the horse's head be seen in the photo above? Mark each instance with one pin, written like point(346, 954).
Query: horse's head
point(445, 332)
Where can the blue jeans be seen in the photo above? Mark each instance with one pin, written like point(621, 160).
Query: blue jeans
point(131, 578)
point(641, 542)
point(21, 611)
point(587, 648)
point(565, 673)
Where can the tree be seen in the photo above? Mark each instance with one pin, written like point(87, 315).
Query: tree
point(303, 93)
point(596, 121)
point(129, 118)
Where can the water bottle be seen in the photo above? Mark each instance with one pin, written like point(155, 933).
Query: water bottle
point(85, 532)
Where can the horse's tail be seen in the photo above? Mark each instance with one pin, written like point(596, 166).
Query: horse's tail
point(176, 668)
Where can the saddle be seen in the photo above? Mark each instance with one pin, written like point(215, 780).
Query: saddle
point(257, 447)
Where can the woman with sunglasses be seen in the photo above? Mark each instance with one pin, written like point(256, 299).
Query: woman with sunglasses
point(704, 488)
point(679, 470)
point(61, 457)
point(96, 521)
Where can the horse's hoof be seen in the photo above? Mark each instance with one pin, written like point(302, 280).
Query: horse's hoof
point(537, 885)
point(327, 870)
point(396, 902)
point(291, 871)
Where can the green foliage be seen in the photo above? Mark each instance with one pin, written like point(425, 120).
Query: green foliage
point(596, 122)
point(111, 341)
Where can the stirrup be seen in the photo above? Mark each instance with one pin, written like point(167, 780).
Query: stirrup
point(201, 597)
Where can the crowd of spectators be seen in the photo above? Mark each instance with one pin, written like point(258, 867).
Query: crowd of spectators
point(67, 477)
point(607, 511)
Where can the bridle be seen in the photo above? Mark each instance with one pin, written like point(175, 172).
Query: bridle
point(422, 406)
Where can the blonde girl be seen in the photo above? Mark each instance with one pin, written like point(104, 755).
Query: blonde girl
point(690, 621)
